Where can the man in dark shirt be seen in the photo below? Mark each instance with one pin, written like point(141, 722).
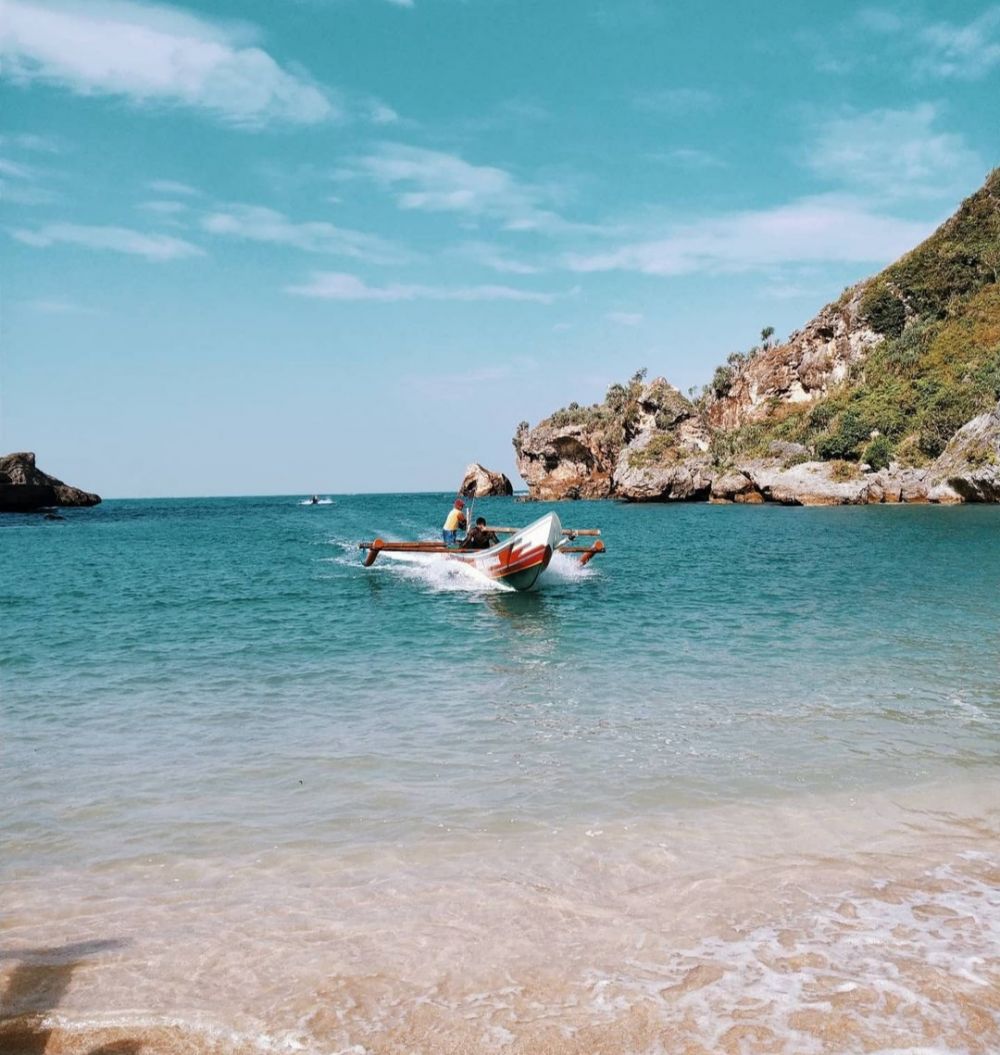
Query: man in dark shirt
point(479, 537)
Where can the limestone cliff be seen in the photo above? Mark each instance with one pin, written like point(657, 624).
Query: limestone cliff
point(888, 394)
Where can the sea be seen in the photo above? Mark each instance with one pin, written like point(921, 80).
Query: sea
point(730, 788)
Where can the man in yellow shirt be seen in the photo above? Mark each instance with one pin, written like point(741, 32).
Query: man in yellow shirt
point(454, 521)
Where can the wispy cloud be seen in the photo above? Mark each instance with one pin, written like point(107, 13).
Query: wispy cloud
point(497, 259)
point(254, 223)
point(821, 229)
point(967, 52)
point(15, 170)
point(625, 318)
point(688, 158)
point(467, 382)
point(31, 141)
point(155, 247)
point(169, 186)
point(895, 154)
point(336, 285)
point(164, 208)
point(433, 181)
point(931, 49)
point(154, 54)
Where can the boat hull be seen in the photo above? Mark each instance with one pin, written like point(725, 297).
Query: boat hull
point(521, 559)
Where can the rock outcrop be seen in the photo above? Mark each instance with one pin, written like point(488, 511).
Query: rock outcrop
point(480, 482)
point(24, 487)
point(970, 464)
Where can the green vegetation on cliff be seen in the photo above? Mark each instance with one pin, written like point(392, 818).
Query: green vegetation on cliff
point(938, 310)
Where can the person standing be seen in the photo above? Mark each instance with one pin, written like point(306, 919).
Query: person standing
point(453, 522)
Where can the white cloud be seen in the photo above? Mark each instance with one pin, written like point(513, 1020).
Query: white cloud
point(688, 157)
point(381, 114)
point(164, 208)
point(157, 247)
point(153, 54)
point(966, 52)
point(896, 154)
point(433, 181)
point(821, 229)
point(492, 257)
point(938, 49)
point(31, 141)
point(169, 186)
point(336, 285)
point(15, 170)
point(254, 223)
point(625, 318)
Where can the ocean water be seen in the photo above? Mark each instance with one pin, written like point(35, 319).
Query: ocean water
point(733, 787)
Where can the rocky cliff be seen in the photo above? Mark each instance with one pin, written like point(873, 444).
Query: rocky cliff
point(888, 394)
point(24, 487)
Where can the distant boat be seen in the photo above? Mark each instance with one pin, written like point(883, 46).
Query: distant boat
point(316, 501)
point(518, 561)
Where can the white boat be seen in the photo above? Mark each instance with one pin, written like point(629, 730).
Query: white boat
point(517, 561)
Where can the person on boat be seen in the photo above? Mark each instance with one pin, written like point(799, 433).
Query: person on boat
point(454, 521)
point(478, 537)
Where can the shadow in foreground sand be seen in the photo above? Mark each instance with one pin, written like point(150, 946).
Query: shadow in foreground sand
point(36, 987)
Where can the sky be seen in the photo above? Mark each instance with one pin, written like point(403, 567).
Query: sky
point(347, 245)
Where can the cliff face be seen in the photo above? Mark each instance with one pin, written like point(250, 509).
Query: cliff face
point(806, 368)
point(888, 394)
point(24, 487)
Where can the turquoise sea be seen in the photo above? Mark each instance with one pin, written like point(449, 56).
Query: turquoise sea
point(732, 787)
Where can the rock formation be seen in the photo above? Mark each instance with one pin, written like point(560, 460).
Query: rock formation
point(24, 487)
point(888, 395)
point(970, 464)
point(480, 482)
point(802, 370)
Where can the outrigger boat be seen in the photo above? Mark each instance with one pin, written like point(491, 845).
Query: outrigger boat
point(517, 561)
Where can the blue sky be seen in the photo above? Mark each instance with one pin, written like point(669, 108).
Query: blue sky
point(347, 245)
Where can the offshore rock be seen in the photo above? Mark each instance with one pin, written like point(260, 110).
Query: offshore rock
point(970, 464)
point(480, 482)
point(24, 487)
point(813, 361)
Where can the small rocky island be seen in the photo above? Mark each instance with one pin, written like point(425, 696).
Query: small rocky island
point(24, 488)
point(479, 482)
point(890, 394)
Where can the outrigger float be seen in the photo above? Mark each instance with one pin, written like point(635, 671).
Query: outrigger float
point(517, 561)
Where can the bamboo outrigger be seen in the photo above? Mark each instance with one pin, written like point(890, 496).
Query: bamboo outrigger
point(517, 561)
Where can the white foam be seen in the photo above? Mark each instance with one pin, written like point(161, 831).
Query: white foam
point(321, 502)
point(440, 573)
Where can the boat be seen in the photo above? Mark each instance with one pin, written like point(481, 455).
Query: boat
point(517, 561)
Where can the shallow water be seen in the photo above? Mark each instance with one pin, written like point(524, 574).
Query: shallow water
point(731, 787)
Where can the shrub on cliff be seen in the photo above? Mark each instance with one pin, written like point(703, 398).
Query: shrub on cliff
point(878, 453)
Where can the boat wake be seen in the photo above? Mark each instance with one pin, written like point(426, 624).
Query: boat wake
point(442, 575)
point(321, 502)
